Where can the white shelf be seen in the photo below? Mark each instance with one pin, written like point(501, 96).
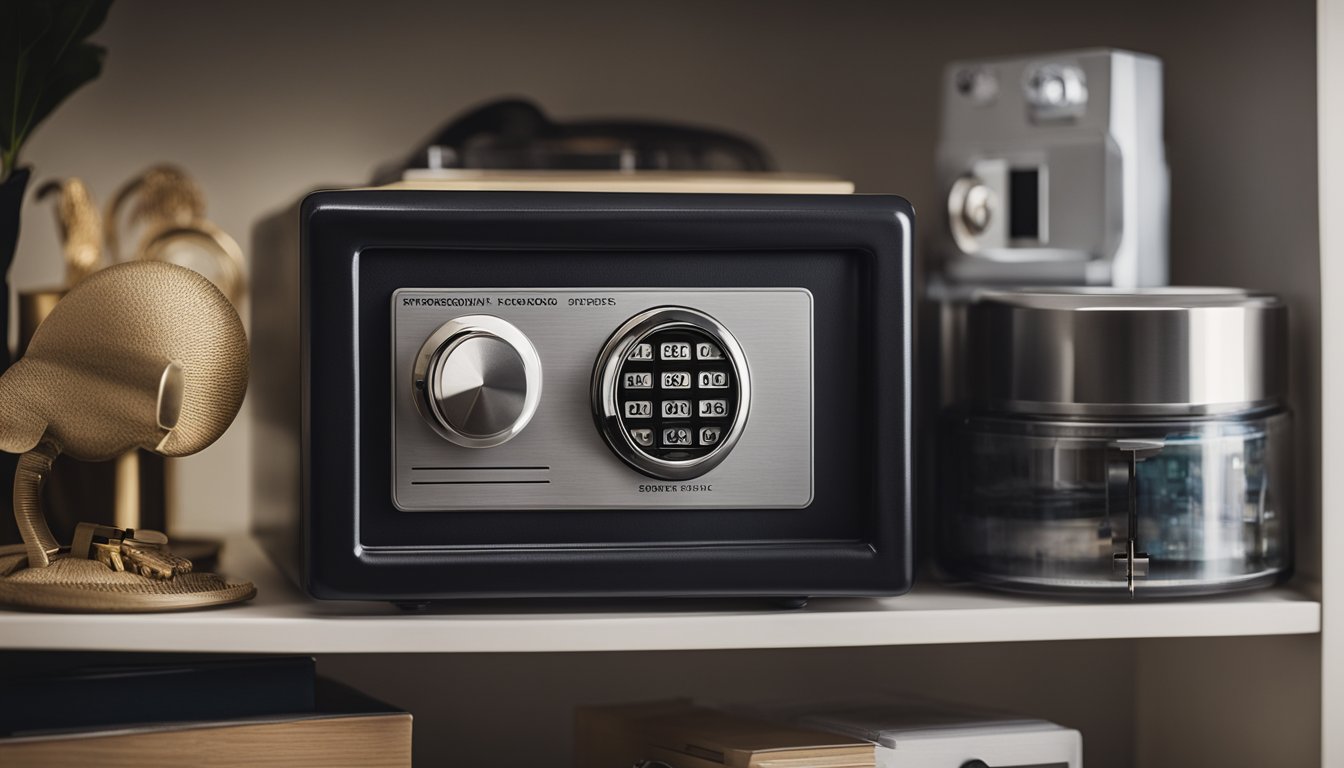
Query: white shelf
point(282, 620)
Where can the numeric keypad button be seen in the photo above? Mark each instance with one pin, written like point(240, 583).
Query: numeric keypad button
point(709, 436)
point(641, 353)
point(713, 409)
point(676, 380)
point(677, 437)
point(713, 380)
point(707, 351)
point(675, 350)
point(637, 380)
point(676, 409)
point(638, 409)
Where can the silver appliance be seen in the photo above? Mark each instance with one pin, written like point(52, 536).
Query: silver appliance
point(1125, 443)
point(1054, 171)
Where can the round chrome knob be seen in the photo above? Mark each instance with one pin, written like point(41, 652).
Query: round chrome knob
point(1055, 86)
point(1055, 92)
point(971, 208)
point(477, 386)
point(477, 381)
point(979, 208)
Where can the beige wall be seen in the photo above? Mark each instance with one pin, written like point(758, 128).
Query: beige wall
point(261, 100)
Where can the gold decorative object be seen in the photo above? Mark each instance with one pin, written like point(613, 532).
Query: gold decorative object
point(34, 306)
point(168, 208)
point(144, 551)
point(161, 212)
point(80, 225)
point(141, 355)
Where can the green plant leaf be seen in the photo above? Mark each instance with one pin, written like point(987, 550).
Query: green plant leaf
point(44, 57)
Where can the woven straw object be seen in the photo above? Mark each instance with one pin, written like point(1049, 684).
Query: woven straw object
point(89, 380)
point(87, 586)
point(139, 355)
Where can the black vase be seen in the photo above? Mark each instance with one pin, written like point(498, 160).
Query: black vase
point(11, 203)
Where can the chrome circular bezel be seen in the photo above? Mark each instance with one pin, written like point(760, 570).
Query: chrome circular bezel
point(441, 343)
point(606, 409)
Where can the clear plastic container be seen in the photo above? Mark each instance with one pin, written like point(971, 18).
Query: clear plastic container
point(1130, 506)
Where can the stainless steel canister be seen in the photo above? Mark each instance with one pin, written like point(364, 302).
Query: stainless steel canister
point(1123, 442)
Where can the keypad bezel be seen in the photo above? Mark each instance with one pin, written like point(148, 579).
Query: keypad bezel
point(671, 330)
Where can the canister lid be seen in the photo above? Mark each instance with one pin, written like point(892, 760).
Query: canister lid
point(1164, 351)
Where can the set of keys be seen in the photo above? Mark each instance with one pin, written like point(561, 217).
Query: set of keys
point(138, 551)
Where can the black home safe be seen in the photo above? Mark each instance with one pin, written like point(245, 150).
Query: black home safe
point(566, 394)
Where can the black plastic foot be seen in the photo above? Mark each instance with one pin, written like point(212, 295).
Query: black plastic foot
point(411, 606)
point(790, 603)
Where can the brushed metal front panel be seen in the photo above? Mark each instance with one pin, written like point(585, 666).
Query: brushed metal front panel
point(560, 461)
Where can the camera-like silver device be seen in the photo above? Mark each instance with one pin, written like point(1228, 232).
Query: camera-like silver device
point(1054, 171)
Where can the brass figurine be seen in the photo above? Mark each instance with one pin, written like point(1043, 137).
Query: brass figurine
point(140, 355)
point(163, 195)
point(153, 560)
point(161, 214)
point(80, 225)
point(168, 208)
point(139, 551)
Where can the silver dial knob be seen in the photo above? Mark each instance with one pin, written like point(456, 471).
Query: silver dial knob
point(1056, 92)
point(978, 209)
point(477, 381)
